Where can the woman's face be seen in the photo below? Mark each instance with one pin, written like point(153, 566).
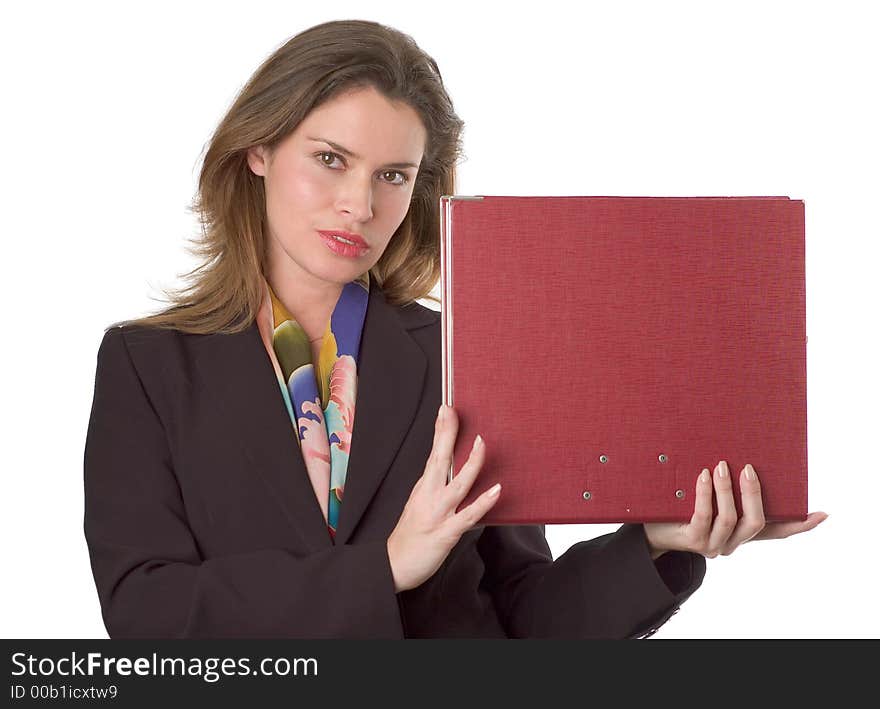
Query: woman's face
point(311, 185)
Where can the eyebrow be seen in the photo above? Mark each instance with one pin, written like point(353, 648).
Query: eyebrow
point(349, 153)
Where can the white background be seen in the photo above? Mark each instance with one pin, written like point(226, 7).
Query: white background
point(107, 107)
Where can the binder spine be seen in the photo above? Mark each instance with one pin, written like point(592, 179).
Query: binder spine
point(446, 309)
point(444, 296)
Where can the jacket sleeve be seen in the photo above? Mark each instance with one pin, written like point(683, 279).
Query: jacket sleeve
point(607, 587)
point(151, 578)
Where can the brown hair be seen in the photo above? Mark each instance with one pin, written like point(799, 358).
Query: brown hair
point(309, 69)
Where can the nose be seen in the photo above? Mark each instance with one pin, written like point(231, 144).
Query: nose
point(356, 198)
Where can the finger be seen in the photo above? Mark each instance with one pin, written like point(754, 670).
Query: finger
point(440, 460)
point(725, 521)
point(701, 521)
point(752, 520)
point(462, 521)
point(781, 530)
point(461, 483)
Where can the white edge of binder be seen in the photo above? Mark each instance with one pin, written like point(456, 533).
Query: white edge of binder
point(446, 311)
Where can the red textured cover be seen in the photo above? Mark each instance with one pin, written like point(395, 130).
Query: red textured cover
point(657, 334)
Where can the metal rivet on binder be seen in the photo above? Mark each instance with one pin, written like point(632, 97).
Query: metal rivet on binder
point(603, 458)
point(679, 494)
point(587, 495)
point(663, 458)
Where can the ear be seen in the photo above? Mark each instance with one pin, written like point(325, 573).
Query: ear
point(257, 158)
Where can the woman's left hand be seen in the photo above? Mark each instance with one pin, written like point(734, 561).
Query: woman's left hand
point(724, 534)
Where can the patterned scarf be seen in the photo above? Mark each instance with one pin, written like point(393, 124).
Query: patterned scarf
point(323, 422)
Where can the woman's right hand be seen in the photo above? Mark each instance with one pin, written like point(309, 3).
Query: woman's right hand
point(429, 526)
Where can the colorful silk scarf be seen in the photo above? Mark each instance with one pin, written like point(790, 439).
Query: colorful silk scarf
point(323, 421)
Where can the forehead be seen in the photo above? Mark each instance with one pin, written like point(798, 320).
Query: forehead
point(367, 123)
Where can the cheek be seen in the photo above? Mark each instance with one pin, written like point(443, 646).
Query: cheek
point(394, 216)
point(302, 188)
point(401, 207)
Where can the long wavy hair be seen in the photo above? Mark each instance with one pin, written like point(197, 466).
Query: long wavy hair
point(225, 289)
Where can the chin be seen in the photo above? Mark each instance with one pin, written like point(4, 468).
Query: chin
point(340, 275)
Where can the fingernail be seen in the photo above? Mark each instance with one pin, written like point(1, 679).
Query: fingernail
point(750, 472)
point(722, 469)
point(495, 490)
point(478, 441)
point(704, 476)
point(440, 412)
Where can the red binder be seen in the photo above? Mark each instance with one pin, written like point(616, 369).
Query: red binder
point(610, 348)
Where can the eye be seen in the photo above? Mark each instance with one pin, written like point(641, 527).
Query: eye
point(404, 179)
point(336, 156)
point(322, 154)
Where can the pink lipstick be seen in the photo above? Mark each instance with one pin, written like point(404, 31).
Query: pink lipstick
point(338, 243)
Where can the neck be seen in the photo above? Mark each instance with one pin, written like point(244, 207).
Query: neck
point(310, 302)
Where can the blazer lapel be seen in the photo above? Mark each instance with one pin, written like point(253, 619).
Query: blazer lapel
point(237, 372)
point(391, 376)
point(237, 375)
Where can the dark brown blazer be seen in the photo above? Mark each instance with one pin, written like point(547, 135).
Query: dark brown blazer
point(201, 521)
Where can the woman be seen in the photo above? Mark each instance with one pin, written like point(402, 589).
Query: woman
point(233, 489)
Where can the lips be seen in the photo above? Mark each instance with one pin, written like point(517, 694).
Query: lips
point(342, 248)
point(356, 238)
